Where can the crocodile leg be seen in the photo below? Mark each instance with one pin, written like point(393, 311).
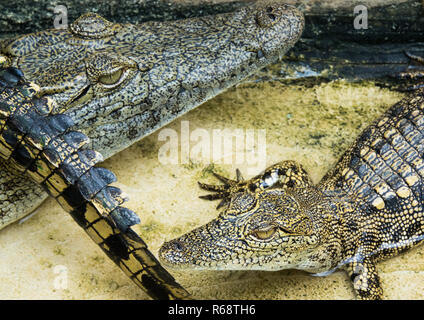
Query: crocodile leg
point(18, 196)
point(284, 174)
point(366, 281)
point(36, 143)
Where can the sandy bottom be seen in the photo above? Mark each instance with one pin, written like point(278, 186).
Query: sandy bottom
point(49, 257)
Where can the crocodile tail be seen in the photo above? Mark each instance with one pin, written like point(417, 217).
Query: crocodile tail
point(41, 145)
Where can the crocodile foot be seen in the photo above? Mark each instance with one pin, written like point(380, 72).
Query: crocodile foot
point(225, 190)
point(284, 174)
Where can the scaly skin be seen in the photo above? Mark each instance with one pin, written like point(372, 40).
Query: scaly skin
point(369, 207)
point(170, 67)
point(102, 86)
point(36, 143)
point(121, 82)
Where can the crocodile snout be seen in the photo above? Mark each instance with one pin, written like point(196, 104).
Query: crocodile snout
point(172, 252)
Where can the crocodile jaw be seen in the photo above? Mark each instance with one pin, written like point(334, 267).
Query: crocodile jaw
point(200, 249)
point(177, 86)
point(177, 66)
point(299, 240)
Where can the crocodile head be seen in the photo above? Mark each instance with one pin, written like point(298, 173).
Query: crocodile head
point(120, 82)
point(273, 229)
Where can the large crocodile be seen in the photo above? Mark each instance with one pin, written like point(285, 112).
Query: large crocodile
point(102, 86)
point(367, 208)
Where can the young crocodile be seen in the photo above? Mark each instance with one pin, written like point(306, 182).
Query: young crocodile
point(369, 207)
point(102, 86)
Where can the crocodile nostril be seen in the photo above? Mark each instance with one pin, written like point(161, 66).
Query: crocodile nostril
point(172, 251)
point(272, 16)
point(267, 17)
point(260, 54)
point(172, 246)
point(270, 13)
point(177, 245)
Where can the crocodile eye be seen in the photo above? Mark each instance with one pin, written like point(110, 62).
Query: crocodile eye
point(111, 79)
point(107, 71)
point(264, 234)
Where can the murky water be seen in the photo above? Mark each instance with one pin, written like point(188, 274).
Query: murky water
point(50, 255)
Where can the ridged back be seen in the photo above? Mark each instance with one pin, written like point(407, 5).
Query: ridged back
point(42, 146)
point(384, 171)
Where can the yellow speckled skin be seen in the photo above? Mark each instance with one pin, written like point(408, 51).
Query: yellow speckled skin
point(117, 83)
point(369, 207)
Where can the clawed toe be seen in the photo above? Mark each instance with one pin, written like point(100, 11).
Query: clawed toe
point(213, 188)
point(214, 196)
point(239, 176)
point(223, 179)
point(223, 191)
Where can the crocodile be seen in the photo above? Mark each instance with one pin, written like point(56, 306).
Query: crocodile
point(70, 98)
point(368, 207)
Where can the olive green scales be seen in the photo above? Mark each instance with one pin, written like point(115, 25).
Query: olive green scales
point(117, 83)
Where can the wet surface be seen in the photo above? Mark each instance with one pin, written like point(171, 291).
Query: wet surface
point(49, 257)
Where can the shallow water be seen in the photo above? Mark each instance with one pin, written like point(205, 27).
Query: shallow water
point(49, 257)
